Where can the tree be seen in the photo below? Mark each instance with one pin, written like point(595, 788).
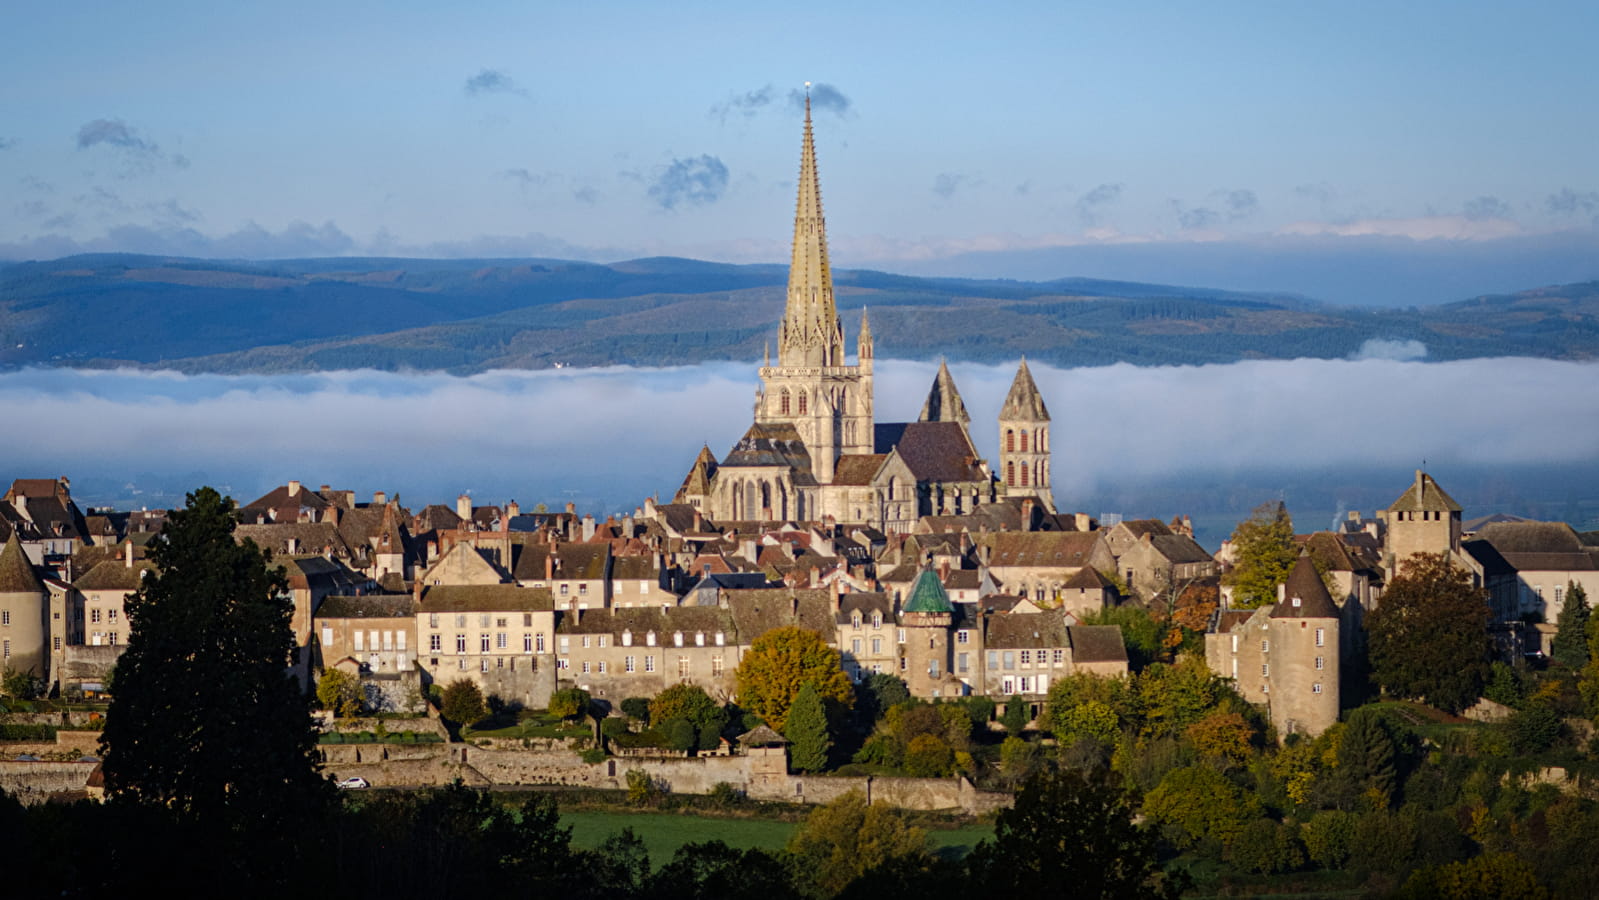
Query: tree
point(463, 702)
point(928, 756)
point(1200, 802)
point(1017, 712)
point(845, 838)
point(1263, 552)
point(20, 684)
point(1366, 753)
point(1571, 629)
point(715, 871)
point(1428, 638)
point(569, 703)
point(1492, 876)
point(876, 693)
point(637, 708)
point(808, 737)
point(690, 703)
point(1072, 834)
point(1223, 737)
point(340, 693)
point(779, 663)
point(207, 719)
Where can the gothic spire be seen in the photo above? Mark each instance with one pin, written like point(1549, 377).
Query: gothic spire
point(944, 402)
point(1024, 402)
point(811, 333)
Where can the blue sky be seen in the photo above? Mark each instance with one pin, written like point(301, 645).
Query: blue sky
point(952, 132)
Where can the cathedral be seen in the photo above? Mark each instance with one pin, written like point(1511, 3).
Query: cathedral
point(815, 449)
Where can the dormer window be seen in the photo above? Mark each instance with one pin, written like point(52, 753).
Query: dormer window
point(1296, 601)
point(877, 620)
point(650, 638)
point(855, 619)
point(720, 639)
point(699, 638)
point(627, 638)
point(677, 638)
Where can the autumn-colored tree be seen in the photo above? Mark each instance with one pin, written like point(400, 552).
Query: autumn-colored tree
point(1224, 737)
point(1196, 603)
point(843, 839)
point(1199, 802)
point(463, 702)
point(340, 693)
point(1263, 552)
point(1428, 638)
point(928, 756)
point(1175, 696)
point(779, 663)
point(1491, 876)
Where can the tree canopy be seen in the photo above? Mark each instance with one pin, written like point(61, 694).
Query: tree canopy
point(1263, 548)
point(206, 719)
point(843, 839)
point(1571, 631)
point(1428, 637)
point(782, 661)
point(806, 730)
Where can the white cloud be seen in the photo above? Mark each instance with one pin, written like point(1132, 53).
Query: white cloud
point(1379, 348)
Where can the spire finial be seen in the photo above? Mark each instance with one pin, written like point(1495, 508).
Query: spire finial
point(807, 101)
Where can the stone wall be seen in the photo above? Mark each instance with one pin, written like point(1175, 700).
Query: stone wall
point(34, 782)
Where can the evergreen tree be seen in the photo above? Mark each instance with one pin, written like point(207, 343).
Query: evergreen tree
point(1263, 549)
point(806, 730)
point(1571, 634)
point(1366, 752)
point(463, 702)
point(207, 720)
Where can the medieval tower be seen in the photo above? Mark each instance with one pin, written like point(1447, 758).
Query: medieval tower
point(1304, 654)
point(1024, 440)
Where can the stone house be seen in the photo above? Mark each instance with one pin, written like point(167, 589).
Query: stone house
point(498, 635)
point(25, 632)
point(1040, 565)
point(640, 651)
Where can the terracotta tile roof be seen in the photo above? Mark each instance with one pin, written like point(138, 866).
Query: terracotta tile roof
point(1053, 549)
point(858, 469)
point(485, 598)
point(1097, 643)
point(113, 575)
point(368, 606)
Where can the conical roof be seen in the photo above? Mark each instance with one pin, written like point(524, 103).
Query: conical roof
point(944, 402)
point(1305, 594)
point(811, 334)
point(927, 595)
point(16, 572)
point(1024, 403)
point(1424, 494)
point(698, 480)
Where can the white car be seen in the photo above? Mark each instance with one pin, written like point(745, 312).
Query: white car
point(355, 782)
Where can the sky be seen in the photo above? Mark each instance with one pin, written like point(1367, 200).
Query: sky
point(1215, 439)
point(1260, 145)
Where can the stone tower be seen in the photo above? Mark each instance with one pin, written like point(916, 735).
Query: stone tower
point(813, 387)
point(24, 613)
point(927, 616)
point(944, 402)
point(1303, 654)
point(1024, 440)
point(1423, 520)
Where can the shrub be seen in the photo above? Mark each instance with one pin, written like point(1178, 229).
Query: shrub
point(641, 788)
point(593, 756)
point(637, 708)
point(724, 795)
point(463, 702)
point(928, 756)
point(612, 726)
point(569, 703)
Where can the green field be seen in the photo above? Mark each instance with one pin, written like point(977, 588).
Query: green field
point(664, 832)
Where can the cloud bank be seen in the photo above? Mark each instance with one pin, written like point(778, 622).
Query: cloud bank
point(610, 437)
point(138, 153)
point(493, 81)
point(692, 181)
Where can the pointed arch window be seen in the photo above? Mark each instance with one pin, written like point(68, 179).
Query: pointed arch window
point(802, 398)
point(1024, 442)
point(1010, 441)
point(1010, 474)
point(1024, 474)
point(783, 402)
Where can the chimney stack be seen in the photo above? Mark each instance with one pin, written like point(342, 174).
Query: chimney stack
point(129, 555)
point(380, 499)
point(513, 509)
point(294, 489)
point(1084, 523)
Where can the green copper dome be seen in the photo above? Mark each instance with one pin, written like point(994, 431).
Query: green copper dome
point(927, 595)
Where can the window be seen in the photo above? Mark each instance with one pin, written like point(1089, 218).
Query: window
point(677, 638)
point(960, 662)
point(538, 643)
point(644, 587)
point(1320, 663)
point(1321, 637)
point(932, 668)
point(627, 664)
point(699, 638)
point(484, 665)
point(855, 646)
point(1235, 643)
point(604, 640)
point(854, 619)
point(1027, 658)
point(602, 667)
point(460, 643)
point(962, 637)
point(94, 616)
point(433, 620)
point(435, 642)
point(627, 638)
point(1265, 670)
point(649, 663)
point(585, 642)
point(682, 667)
point(399, 640)
point(565, 589)
point(483, 620)
point(483, 643)
point(1265, 645)
point(649, 639)
point(499, 623)
point(563, 664)
point(111, 614)
point(1010, 659)
point(566, 644)
point(877, 620)
point(716, 667)
point(461, 664)
point(1060, 657)
point(993, 659)
point(112, 638)
point(360, 636)
point(327, 636)
point(583, 589)
point(877, 646)
point(460, 620)
point(720, 638)
point(1315, 688)
point(499, 662)
point(388, 640)
point(58, 643)
point(500, 641)
point(902, 635)
point(527, 620)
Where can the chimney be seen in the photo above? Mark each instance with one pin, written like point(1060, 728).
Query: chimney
point(333, 514)
point(1027, 513)
point(793, 602)
point(129, 555)
point(294, 489)
point(838, 595)
point(549, 564)
point(379, 498)
point(1084, 523)
point(327, 488)
point(513, 509)
point(649, 507)
point(588, 527)
point(698, 521)
point(571, 509)
point(746, 549)
point(463, 507)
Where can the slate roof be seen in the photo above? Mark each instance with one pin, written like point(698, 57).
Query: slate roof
point(770, 445)
point(16, 572)
point(866, 603)
point(1333, 553)
point(1026, 631)
point(1305, 585)
point(1540, 546)
point(762, 736)
point(1097, 643)
point(485, 598)
point(1087, 578)
point(698, 480)
point(944, 402)
point(1424, 494)
point(927, 595)
point(1180, 548)
point(644, 619)
point(756, 612)
point(309, 537)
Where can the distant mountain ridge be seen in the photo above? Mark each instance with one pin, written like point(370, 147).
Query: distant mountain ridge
point(469, 315)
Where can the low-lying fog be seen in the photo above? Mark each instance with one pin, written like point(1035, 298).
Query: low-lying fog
point(1520, 435)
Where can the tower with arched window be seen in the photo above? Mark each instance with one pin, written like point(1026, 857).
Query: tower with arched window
point(1024, 440)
